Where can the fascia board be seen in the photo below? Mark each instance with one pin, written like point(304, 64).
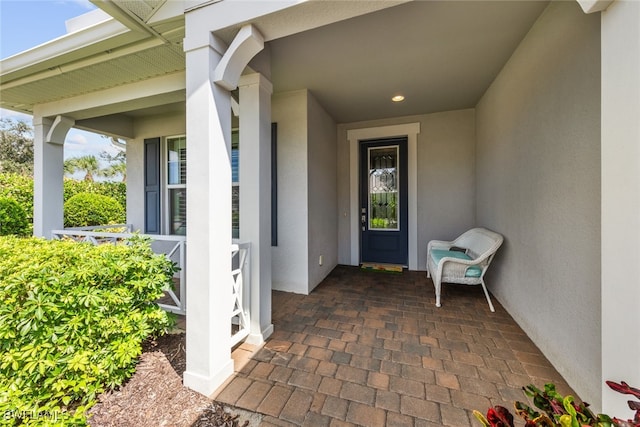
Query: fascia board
point(70, 47)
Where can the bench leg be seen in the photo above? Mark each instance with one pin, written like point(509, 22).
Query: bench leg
point(486, 293)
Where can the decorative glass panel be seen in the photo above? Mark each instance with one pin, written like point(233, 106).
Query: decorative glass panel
point(383, 188)
point(177, 161)
point(178, 211)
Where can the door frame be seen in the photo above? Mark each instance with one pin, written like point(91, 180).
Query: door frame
point(354, 136)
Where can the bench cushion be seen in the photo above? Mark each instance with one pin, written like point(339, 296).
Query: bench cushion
point(438, 254)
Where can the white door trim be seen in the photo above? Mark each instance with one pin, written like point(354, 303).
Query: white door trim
point(354, 136)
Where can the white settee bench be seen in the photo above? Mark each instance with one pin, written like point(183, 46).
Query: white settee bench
point(464, 260)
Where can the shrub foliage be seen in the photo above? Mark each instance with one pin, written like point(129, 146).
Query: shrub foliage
point(86, 209)
point(13, 218)
point(117, 190)
point(20, 188)
point(72, 322)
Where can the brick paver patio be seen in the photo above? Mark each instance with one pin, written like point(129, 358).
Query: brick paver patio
point(371, 349)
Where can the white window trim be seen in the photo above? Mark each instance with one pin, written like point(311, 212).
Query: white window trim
point(164, 177)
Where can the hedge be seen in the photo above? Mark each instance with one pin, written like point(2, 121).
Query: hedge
point(20, 188)
point(86, 209)
point(117, 190)
point(72, 320)
point(13, 218)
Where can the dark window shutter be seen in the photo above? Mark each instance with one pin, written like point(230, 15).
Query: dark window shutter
point(274, 184)
point(152, 186)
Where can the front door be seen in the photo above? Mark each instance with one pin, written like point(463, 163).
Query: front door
point(383, 201)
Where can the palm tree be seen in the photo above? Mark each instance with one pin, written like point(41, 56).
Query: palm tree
point(117, 162)
point(87, 164)
point(115, 169)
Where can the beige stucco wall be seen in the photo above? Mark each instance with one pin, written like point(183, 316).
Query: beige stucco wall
point(306, 192)
point(538, 183)
point(322, 193)
point(150, 127)
point(445, 178)
point(290, 270)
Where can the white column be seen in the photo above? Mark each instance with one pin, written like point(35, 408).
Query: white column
point(255, 196)
point(48, 173)
point(620, 34)
point(209, 290)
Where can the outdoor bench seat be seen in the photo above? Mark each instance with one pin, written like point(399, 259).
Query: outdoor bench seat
point(463, 261)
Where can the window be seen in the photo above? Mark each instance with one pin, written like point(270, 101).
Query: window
point(176, 185)
point(165, 181)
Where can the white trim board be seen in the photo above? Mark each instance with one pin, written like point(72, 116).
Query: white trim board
point(354, 136)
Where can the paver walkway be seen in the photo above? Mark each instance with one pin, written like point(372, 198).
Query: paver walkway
point(367, 348)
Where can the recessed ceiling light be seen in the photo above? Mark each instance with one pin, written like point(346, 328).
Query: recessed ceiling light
point(398, 98)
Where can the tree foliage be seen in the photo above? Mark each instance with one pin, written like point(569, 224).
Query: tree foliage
point(16, 146)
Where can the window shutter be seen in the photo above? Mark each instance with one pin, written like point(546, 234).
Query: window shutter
point(152, 186)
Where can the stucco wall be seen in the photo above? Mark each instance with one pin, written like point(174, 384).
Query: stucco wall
point(538, 183)
point(445, 175)
point(290, 257)
point(151, 127)
point(322, 193)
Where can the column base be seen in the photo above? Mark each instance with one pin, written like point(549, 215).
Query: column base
point(207, 385)
point(259, 339)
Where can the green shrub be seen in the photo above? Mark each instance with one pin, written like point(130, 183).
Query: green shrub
point(117, 190)
point(86, 209)
point(72, 320)
point(13, 219)
point(19, 188)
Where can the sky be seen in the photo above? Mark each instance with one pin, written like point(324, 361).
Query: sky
point(28, 23)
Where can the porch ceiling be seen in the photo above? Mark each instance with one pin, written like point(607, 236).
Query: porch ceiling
point(441, 55)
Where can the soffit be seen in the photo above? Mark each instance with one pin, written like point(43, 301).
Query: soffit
point(141, 65)
point(129, 57)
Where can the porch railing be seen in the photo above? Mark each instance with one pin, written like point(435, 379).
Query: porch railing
point(240, 315)
point(173, 247)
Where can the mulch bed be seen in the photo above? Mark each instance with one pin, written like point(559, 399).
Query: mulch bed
point(154, 396)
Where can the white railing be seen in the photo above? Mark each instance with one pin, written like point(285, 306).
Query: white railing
point(173, 247)
point(240, 315)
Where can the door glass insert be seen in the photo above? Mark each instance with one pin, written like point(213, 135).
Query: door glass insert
point(383, 188)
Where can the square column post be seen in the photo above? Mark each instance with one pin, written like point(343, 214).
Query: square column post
point(255, 196)
point(620, 168)
point(209, 290)
point(48, 173)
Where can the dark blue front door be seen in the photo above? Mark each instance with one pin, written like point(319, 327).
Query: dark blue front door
point(383, 201)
